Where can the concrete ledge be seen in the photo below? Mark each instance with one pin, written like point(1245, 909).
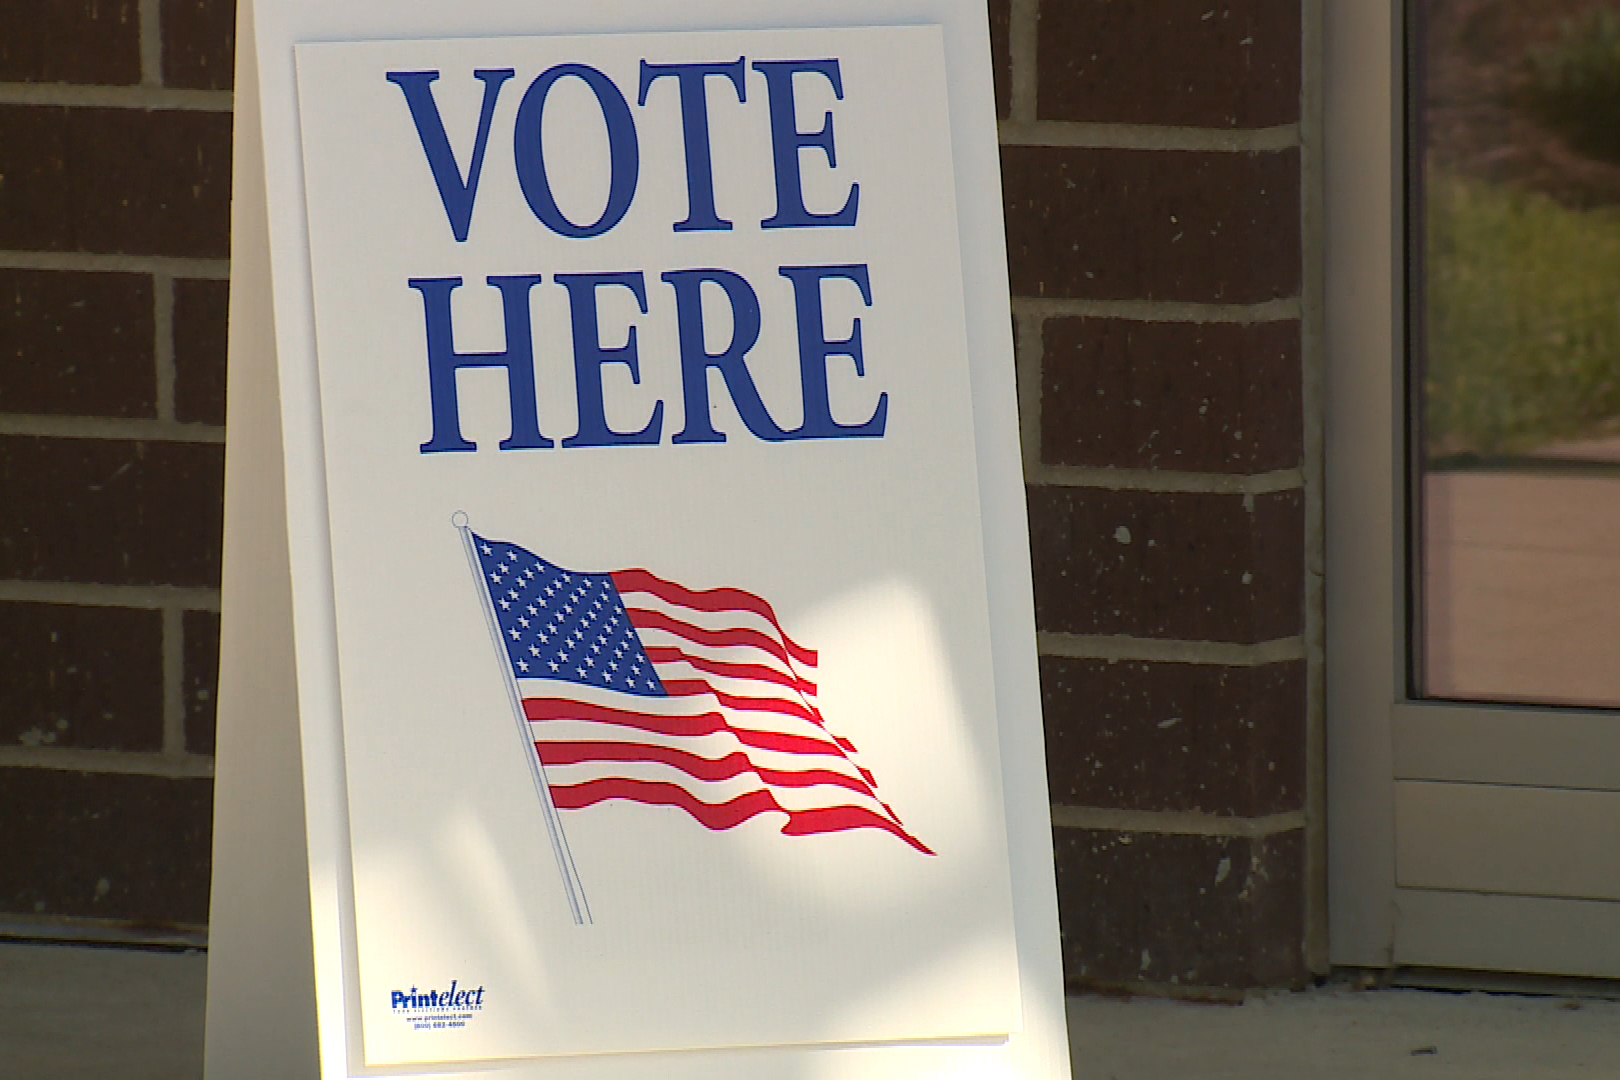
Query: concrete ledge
point(70, 1012)
point(1347, 1035)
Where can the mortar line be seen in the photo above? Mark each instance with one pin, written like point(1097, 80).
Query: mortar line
point(1266, 311)
point(1023, 49)
point(1031, 355)
point(1169, 650)
point(174, 677)
point(151, 20)
point(152, 98)
point(1102, 136)
point(1174, 823)
point(82, 262)
point(1165, 481)
point(163, 344)
point(108, 427)
point(106, 761)
point(77, 594)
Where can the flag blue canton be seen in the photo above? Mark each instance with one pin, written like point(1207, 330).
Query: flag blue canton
point(558, 624)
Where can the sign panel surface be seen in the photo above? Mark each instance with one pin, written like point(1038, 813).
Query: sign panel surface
point(668, 711)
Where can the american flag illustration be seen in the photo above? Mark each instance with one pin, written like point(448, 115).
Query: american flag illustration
point(637, 688)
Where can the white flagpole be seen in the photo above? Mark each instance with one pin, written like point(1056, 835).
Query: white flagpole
point(559, 842)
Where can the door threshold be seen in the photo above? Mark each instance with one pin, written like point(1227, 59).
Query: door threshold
point(1458, 981)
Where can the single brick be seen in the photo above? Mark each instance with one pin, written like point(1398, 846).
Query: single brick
point(199, 350)
point(110, 511)
point(1188, 910)
point(115, 181)
point(76, 344)
point(1233, 64)
point(86, 41)
point(1175, 737)
point(1212, 397)
point(1001, 54)
point(84, 677)
point(1152, 224)
point(201, 686)
point(199, 43)
point(106, 846)
point(1194, 567)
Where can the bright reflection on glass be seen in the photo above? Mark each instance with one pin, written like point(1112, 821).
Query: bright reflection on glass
point(1516, 318)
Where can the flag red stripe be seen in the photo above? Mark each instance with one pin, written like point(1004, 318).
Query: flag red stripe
point(643, 619)
point(694, 765)
point(839, 818)
point(726, 815)
point(668, 654)
point(785, 706)
point(712, 600)
point(707, 723)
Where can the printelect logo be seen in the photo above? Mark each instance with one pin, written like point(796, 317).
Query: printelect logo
point(438, 999)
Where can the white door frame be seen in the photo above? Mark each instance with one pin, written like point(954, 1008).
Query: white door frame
point(1459, 836)
point(1365, 521)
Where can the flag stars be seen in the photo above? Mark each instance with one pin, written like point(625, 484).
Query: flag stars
point(561, 625)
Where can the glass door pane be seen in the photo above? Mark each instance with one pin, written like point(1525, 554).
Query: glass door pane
point(1515, 346)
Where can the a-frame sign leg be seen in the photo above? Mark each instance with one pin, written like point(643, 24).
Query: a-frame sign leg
point(261, 977)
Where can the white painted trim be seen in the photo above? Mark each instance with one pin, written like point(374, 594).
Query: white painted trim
point(1495, 744)
point(1532, 934)
point(1363, 333)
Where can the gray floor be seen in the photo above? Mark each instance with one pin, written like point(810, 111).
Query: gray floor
point(68, 1012)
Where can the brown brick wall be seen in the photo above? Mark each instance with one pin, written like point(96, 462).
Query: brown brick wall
point(1153, 176)
point(114, 237)
point(1152, 168)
